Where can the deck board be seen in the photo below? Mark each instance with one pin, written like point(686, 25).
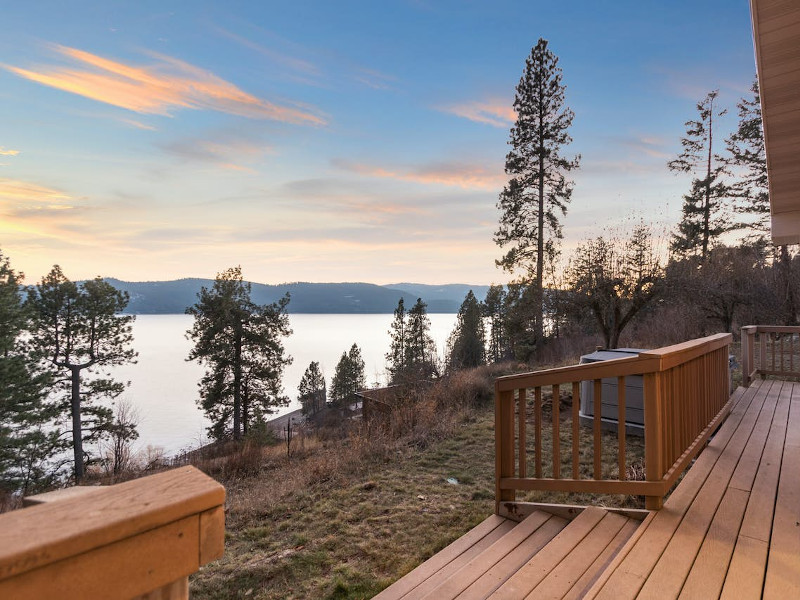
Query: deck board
point(494, 577)
point(474, 568)
point(783, 570)
point(534, 571)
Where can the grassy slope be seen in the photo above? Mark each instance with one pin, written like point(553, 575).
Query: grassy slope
point(351, 535)
point(333, 527)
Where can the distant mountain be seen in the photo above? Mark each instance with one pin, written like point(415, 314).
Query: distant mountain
point(449, 293)
point(172, 297)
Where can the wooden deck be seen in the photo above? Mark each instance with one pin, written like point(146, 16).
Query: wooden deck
point(730, 529)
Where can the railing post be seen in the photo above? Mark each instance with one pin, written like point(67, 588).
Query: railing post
point(653, 435)
point(747, 354)
point(504, 443)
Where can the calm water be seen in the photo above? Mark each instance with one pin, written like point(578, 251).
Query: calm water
point(164, 385)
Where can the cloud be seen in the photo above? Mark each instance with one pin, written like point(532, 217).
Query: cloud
point(9, 152)
point(374, 79)
point(284, 60)
point(497, 113)
point(225, 153)
point(450, 174)
point(12, 189)
point(138, 124)
point(160, 89)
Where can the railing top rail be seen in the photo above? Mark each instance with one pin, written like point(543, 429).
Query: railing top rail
point(40, 535)
point(647, 362)
point(677, 354)
point(751, 329)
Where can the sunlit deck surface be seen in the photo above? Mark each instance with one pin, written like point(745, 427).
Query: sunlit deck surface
point(730, 529)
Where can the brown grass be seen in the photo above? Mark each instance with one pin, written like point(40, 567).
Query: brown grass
point(343, 518)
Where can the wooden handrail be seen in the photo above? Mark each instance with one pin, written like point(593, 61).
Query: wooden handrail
point(776, 353)
point(120, 541)
point(686, 396)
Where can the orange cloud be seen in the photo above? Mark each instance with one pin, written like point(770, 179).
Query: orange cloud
point(12, 189)
point(450, 174)
point(495, 113)
point(159, 89)
point(4, 152)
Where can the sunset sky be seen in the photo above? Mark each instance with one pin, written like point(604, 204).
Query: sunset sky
point(332, 141)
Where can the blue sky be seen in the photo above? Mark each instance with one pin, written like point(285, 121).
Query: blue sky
point(322, 141)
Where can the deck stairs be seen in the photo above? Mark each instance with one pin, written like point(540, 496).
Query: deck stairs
point(543, 556)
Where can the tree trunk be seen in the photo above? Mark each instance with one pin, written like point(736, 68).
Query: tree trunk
point(538, 330)
point(237, 386)
point(77, 433)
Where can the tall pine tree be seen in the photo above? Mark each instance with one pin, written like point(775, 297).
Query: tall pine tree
point(241, 345)
point(26, 441)
point(420, 347)
point(348, 378)
point(396, 357)
point(467, 343)
point(312, 390)
point(704, 217)
point(538, 191)
point(495, 311)
point(80, 331)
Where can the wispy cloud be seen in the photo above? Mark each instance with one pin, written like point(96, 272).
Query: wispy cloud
point(374, 79)
point(13, 189)
point(289, 62)
point(8, 152)
point(497, 113)
point(648, 145)
point(466, 176)
point(138, 124)
point(161, 88)
point(226, 152)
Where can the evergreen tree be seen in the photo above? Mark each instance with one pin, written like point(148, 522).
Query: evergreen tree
point(494, 310)
point(241, 345)
point(420, 347)
point(704, 217)
point(80, 331)
point(467, 343)
point(348, 378)
point(747, 154)
point(312, 390)
point(538, 191)
point(26, 443)
point(748, 157)
point(396, 357)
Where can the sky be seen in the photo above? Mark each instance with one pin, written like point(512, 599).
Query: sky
point(333, 141)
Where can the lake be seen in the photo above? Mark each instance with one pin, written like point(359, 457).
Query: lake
point(164, 385)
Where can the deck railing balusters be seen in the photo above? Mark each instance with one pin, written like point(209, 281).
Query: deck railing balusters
point(685, 398)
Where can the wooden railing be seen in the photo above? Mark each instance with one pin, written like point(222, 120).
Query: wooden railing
point(770, 350)
point(686, 396)
point(135, 540)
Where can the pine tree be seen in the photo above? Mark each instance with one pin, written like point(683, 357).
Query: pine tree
point(348, 378)
point(420, 347)
point(467, 343)
point(494, 311)
point(746, 153)
point(312, 390)
point(704, 217)
point(396, 357)
point(241, 345)
point(538, 191)
point(26, 442)
point(80, 331)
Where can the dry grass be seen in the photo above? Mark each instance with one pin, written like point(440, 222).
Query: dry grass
point(345, 518)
